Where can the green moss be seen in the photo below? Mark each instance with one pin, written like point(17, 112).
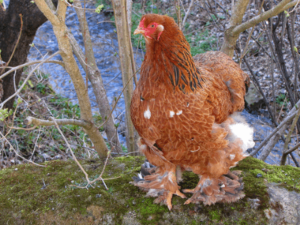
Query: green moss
point(215, 215)
point(287, 176)
point(24, 197)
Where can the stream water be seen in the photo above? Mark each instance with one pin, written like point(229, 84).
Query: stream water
point(105, 46)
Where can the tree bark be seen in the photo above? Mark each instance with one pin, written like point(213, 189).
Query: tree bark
point(127, 65)
point(129, 10)
point(10, 26)
point(60, 30)
point(95, 78)
point(238, 11)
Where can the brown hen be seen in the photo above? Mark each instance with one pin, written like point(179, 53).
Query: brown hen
point(183, 111)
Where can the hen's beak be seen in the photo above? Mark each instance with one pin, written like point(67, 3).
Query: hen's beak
point(139, 31)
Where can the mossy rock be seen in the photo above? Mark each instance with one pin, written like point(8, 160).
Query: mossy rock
point(44, 195)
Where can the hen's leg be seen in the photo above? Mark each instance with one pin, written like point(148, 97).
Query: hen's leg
point(227, 188)
point(161, 183)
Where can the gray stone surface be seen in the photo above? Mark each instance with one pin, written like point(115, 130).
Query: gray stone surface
point(285, 206)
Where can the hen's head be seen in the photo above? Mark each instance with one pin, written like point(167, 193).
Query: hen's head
point(155, 27)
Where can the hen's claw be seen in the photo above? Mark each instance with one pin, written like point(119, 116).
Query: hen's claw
point(166, 198)
point(163, 186)
point(210, 191)
point(188, 190)
point(178, 193)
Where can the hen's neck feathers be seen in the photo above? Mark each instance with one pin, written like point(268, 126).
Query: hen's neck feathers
point(169, 61)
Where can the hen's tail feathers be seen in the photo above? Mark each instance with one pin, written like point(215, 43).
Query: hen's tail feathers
point(227, 188)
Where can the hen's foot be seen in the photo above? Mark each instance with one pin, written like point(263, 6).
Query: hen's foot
point(164, 197)
point(227, 188)
point(161, 186)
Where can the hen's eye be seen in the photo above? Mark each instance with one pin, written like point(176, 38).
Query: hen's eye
point(152, 25)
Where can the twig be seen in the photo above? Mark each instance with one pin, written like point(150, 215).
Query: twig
point(73, 155)
point(288, 118)
point(25, 81)
point(37, 138)
point(288, 138)
point(89, 183)
point(261, 91)
point(250, 34)
point(291, 37)
point(113, 108)
point(295, 8)
point(292, 149)
point(11, 147)
point(29, 64)
point(177, 8)
point(187, 13)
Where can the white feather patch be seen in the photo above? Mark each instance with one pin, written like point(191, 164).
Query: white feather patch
point(232, 156)
point(179, 112)
point(147, 113)
point(172, 113)
point(245, 133)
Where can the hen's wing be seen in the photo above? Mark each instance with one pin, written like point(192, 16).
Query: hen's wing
point(220, 64)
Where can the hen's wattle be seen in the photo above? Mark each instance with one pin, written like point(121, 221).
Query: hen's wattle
point(183, 110)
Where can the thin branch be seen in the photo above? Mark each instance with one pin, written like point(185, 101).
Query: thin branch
point(38, 122)
point(250, 35)
point(292, 149)
point(260, 90)
point(73, 155)
point(113, 108)
point(283, 5)
point(288, 138)
point(178, 14)
point(290, 116)
point(187, 13)
point(29, 64)
point(27, 78)
point(12, 147)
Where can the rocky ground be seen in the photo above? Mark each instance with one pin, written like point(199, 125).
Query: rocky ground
point(48, 195)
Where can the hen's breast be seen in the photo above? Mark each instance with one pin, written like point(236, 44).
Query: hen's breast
point(175, 120)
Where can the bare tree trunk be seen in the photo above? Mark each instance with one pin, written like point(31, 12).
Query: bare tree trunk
point(127, 65)
point(237, 13)
point(57, 20)
point(10, 31)
point(95, 78)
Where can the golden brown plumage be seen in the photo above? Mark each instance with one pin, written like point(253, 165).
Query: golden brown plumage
point(181, 109)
